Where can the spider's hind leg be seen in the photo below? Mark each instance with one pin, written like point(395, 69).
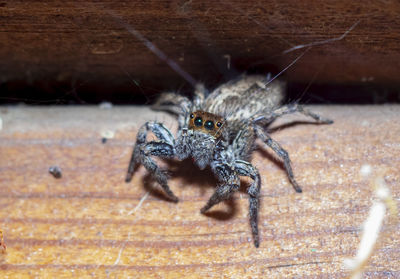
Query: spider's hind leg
point(282, 153)
point(200, 94)
point(268, 117)
point(143, 150)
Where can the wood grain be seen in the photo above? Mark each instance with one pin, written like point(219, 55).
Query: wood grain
point(91, 224)
point(74, 47)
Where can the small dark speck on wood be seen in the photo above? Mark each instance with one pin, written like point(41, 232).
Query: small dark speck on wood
point(55, 171)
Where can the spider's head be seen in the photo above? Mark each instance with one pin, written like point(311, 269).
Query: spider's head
point(207, 123)
point(200, 138)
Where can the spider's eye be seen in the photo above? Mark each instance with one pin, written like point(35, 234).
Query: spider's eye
point(219, 124)
point(198, 122)
point(191, 115)
point(209, 125)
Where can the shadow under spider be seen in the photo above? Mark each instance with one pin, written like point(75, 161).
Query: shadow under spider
point(189, 174)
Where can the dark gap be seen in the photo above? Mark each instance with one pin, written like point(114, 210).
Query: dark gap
point(55, 93)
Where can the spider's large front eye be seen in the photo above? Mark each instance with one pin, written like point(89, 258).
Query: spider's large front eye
point(191, 115)
point(209, 125)
point(198, 122)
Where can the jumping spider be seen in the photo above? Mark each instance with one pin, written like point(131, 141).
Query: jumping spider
point(219, 130)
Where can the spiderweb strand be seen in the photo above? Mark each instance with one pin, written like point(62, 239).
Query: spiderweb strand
point(153, 48)
point(324, 41)
point(287, 67)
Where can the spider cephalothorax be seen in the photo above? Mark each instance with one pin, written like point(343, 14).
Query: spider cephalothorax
point(200, 138)
point(219, 130)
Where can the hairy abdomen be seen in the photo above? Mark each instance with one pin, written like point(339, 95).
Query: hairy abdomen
point(240, 99)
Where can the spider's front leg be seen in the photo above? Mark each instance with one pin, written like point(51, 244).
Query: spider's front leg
point(230, 183)
point(229, 176)
point(246, 169)
point(143, 150)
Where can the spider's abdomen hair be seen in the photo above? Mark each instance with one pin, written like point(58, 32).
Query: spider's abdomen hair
point(242, 98)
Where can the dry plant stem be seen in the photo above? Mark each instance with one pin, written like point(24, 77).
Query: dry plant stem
point(372, 228)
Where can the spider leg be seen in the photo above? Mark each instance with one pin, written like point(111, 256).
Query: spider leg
point(275, 146)
point(176, 104)
point(282, 153)
point(143, 150)
point(244, 168)
point(291, 108)
point(230, 184)
point(200, 94)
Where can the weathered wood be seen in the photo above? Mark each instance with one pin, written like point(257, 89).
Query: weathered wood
point(75, 46)
point(90, 223)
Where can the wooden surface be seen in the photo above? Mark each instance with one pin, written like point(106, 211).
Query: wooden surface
point(80, 46)
point(91, 224)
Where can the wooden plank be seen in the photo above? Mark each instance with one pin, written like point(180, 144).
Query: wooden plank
point(53, 45)
point(90, 223)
